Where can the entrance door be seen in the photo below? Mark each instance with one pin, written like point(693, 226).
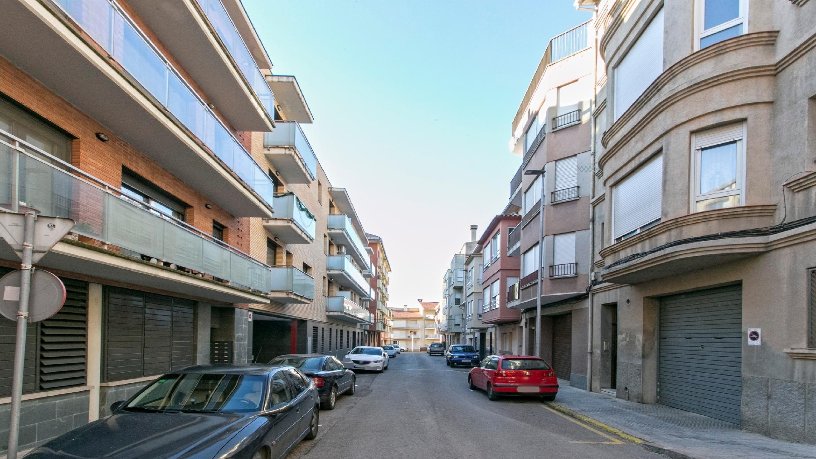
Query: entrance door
point(700, 355)
point(562, 345)
point(609, 346)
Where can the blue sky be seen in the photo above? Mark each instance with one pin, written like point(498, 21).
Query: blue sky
point(413, 104)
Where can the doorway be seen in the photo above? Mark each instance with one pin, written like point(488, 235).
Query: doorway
point(609, 346)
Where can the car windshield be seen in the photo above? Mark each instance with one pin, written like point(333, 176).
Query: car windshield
point(201, 392)
point(388, 348)
point(301, 363)
point(366, 351)
point(462, 349)
point(524, 364)
point(436, 345)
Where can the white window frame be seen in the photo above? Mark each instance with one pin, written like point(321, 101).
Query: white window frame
point(534, 250)
point(709, 138)
point(699, 19)
point(564, 237)
point(535, 190)
point(615, 196)
point(495, 246)
point(494, 294)
point(486, 256)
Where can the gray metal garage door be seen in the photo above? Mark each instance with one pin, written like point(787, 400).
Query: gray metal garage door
point(701, 352)
point(562, 345)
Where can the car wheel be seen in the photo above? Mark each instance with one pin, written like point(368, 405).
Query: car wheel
point(490, 394)
point(314, 424)
point(547, 398)
point(262, 453)
point(331, 400)
point(470, 384)
point(351, 390)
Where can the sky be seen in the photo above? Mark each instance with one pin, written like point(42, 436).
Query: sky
point(413, 103)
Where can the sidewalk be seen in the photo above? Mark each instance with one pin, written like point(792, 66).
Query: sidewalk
point(674, 432)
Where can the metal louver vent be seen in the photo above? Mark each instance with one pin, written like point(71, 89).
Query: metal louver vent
point(63, 338)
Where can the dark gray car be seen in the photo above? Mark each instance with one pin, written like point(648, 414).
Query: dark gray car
point(205, 411)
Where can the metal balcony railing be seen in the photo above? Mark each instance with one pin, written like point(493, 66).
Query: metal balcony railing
point(114, 31)
point(563, 270)
point(542, 133)
point(567, 119)
point(566, 194)
point(513, 292)
point(568, 43)
point(58, 189)
point(515, 182)
point(513, 239)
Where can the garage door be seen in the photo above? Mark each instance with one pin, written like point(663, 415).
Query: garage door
point(701, 352)
point(562, 345)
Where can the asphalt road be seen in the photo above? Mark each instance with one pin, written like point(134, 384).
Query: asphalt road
point(421, 408)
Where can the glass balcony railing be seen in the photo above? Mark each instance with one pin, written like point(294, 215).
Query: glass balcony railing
point(343, 304)
point(289, 134)
point(56, 189)
point(228, 33)
point(344, 264)
point(288, 206)
point(115, 32)
point(292, 280)
point(343, 223)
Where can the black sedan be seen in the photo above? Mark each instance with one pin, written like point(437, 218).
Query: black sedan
point(208, 412)
point(328, 374)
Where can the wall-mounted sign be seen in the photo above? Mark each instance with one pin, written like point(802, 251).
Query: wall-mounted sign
point(754, 336)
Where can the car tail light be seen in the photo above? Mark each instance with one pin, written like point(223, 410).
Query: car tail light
point(319, 382)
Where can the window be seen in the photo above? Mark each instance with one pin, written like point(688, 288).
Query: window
point(637, 200)
point(563, 255)
point(314, 340)
point(307, 269)
point(494, 295)
point(529, 261)
point(319, 192)
point(153, 197)
point(720, 20)
point(494, 247)
point(531, 196)
point(279, 391)
point(486, 299)
point(218, 231)
point(719, 157)
point(486, 258)
point(641, 65)
point(29, 127)
point(271, 252)
point(536, 124)
point(566, 179)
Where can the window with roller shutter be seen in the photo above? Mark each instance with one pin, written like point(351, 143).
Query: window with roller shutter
point(637, 200)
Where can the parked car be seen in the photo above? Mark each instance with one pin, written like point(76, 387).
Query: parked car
point(436, 349)
point(461, 354)
point(329, 375)
point(514, 375)
point(401, 348)
point(392, 351)
point(373, 358)
point(203, 411)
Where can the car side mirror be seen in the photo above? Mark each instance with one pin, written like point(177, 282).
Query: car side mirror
point(115, 406)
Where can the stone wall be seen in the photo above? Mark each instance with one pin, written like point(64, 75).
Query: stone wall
point(44, 418)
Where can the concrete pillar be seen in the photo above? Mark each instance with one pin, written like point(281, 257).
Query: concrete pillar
point(203, 331)
point(93, 370)
point(242, 337)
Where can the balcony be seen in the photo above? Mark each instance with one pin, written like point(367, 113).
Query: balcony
point(515, 182)
point(564, 270)
point(93, 56)
point(204, 40)
point(288, 149)
point(513, 293)
point(342, 231)
point(341, 307)
point(291, 285)
point(341, 270)
point(120, 240)
point(528, 154)
point(379, 326)
point(514, 241)
point(566, 194)
point(567, 119)
point(293, 223)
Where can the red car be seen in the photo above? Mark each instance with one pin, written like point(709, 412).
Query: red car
point(514, 375)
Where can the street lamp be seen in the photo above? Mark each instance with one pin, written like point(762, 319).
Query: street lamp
point(539, 173)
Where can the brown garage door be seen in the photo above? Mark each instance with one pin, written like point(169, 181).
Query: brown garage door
point(562, 345)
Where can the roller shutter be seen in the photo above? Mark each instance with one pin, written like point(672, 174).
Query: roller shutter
point(562, 345)
point(700, 355)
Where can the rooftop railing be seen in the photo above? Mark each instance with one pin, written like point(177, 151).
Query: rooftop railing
point(57, 189)
point(113, 30)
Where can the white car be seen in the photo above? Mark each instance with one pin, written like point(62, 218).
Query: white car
point(366, 358)
point(391, 350)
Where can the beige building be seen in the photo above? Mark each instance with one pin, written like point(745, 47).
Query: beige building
point(414, 327)
point(704, 210)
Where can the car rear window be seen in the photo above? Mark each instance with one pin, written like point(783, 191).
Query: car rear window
point(435, 345)
point(524, 364)
point(462, 349)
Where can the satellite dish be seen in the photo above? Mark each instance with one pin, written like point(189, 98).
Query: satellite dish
point(46, 299)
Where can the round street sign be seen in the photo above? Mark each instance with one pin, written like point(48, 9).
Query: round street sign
point(47, 295)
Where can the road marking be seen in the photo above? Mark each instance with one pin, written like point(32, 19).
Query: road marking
point(612, 440)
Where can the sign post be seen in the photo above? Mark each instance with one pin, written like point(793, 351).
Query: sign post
point(22, 237)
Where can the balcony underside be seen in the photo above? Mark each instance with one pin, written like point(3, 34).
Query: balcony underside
point(342, 237)
point(546, 299)
point(198, 51)
point(287, 231)
point(342, 278)
point(342, 316)
point(288, 298)
point(99, 266)
point(45, 48)
point(287, 161)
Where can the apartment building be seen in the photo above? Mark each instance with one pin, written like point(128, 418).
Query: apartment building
point(414, 327)
point(475, 329)
point(499, 271)
point(703, 209)
point(452, 311)
point(378, 306)
point(551, 190)
point(206, 231)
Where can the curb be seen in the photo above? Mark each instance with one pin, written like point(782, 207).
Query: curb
point(617, 432)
